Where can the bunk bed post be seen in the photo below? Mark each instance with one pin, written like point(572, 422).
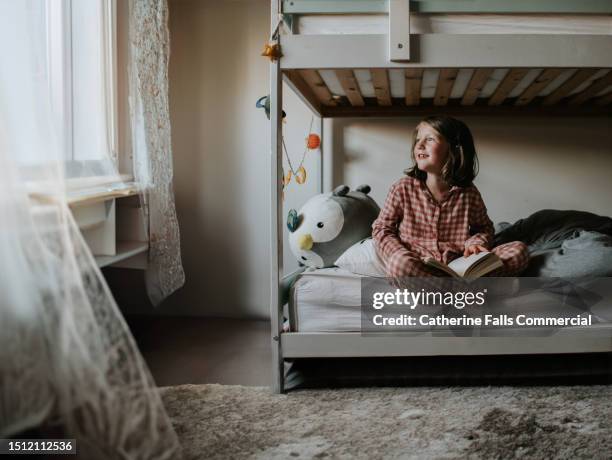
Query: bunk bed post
point(399, 30)
point(327, 154)
point(321, 153)
point(276, 205)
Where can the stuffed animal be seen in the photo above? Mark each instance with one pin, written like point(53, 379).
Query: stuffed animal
point(330, 223)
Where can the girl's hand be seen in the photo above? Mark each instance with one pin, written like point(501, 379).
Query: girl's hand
point(474, 249)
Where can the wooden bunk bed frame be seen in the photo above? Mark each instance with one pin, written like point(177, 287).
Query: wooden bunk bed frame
point(304, 56)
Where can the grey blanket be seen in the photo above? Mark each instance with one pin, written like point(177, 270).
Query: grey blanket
point(563, 243)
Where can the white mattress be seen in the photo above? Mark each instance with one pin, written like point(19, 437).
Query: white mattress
point(326, 300)
point(458, 24)
point(329, 300)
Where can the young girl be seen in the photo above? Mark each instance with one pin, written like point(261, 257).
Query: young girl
point(436, 211)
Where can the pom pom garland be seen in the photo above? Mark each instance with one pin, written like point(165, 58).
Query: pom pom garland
point(313, 141)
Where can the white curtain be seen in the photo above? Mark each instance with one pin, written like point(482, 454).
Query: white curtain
point(66, 354)
point(150, 116)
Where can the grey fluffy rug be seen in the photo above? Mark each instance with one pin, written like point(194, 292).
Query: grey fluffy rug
point(217, 421)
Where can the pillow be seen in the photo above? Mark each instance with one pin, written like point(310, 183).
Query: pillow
point(588, 254)
point(362, 259)
point(501, 226)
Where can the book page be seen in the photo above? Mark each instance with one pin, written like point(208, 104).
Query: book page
point(483, 267)
point(440, 266)
point(462, 264)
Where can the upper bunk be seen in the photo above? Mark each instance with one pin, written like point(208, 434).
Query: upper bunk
point(403, 57)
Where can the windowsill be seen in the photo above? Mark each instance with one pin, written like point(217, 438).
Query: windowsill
point(87, 190)
point(79, 183)
point(90, 195)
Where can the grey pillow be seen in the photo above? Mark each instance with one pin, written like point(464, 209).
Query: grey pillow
point(584, 254)
point(501, 226)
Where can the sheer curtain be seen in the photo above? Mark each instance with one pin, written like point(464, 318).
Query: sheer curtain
point(150, 116)
point(66, 354)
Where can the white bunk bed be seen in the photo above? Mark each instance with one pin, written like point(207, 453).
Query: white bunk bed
point(416, 57)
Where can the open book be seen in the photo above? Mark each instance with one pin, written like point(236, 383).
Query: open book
point(469, 268)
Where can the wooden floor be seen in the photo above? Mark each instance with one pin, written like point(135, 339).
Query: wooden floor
point(182, 350)
point(204, 350)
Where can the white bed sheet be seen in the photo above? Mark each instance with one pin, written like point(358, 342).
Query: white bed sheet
point(326, 300)
point(329, 300)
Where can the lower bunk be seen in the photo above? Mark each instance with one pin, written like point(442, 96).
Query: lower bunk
point(323, 344)
point(326, 314)
point(325, 320)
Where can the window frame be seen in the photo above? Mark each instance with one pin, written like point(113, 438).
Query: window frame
point(60, 72)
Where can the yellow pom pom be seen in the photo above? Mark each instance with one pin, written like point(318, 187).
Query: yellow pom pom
point(300, 177)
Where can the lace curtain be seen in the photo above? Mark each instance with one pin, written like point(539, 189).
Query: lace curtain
point(66, 355)
point(150, 116)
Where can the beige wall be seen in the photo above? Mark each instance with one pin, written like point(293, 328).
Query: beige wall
point(221, 157)
point(221, 151)
point(526, 163)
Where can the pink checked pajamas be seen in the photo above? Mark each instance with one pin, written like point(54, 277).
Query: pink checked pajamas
point(412, 226)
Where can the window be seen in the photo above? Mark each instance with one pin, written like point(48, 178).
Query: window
point(82, 75)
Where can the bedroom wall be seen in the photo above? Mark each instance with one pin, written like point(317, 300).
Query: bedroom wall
point(221, 144)
point(526, 163)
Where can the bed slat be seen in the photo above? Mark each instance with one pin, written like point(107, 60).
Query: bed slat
point(604, 100)
point(584, 110)
point(380, 81)
point(573, 82)
point(592, 99)
point(595, 87)
point(318, 86)
point(477, 82)
point(541, 82)
point(350, 87)
point(302, 88)
point(509, 82)
point(446, 80)
point(413, 86)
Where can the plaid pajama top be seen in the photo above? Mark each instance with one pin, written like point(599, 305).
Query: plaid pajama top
point(413, 223)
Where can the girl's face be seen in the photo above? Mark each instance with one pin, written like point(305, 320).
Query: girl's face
point(430, 150)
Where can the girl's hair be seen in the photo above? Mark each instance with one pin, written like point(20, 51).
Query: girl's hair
point(461, 164)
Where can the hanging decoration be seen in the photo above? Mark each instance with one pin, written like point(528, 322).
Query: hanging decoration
point(272, 49)
point(313, 141)
point(264, 103)
point(292, 220)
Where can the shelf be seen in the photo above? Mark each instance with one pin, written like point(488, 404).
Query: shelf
point(112, 222)
point(125, 250)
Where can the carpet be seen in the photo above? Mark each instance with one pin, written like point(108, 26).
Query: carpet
point(223, 422)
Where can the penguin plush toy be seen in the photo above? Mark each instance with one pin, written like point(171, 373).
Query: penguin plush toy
point(330, 223)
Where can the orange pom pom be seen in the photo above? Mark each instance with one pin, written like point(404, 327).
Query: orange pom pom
point(313, 141)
